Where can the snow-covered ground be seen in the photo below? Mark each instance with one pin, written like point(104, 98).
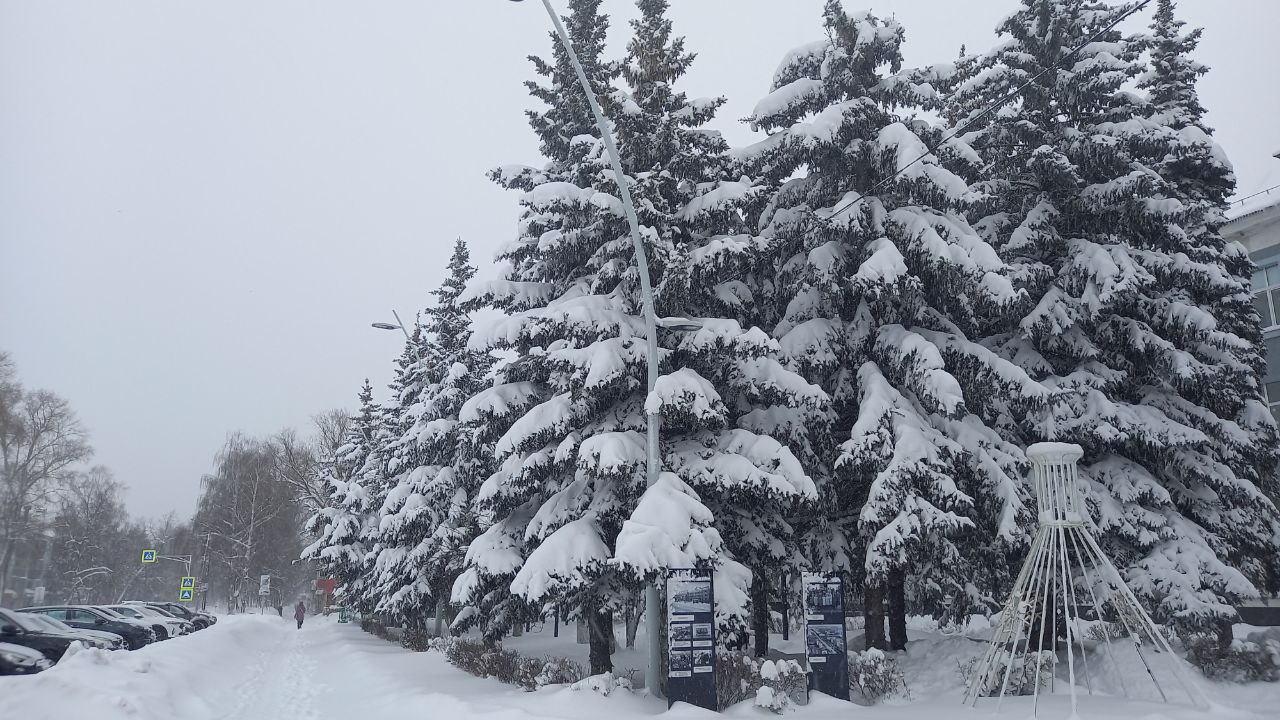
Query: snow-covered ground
point(251, 667)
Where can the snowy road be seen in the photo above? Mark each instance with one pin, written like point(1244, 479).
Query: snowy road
point(262, 668)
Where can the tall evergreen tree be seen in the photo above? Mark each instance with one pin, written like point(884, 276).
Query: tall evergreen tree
point(339, 529)
point(569, 415)
point(565, 314)
point(1108, 204)
point(426, 519)
point(884, 294)
point(735, 453)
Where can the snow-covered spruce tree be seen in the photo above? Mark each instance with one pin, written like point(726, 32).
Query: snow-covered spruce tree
point(734, 451)
point(1108, 206)
point(426, 520)
point(380, 473)
point(1200, 176)
point(339, 529)
point(570, 236)
point(571, 520)
point(885, 295)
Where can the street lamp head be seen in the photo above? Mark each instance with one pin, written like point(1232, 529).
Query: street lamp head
point(680, 324)
point(386, 326)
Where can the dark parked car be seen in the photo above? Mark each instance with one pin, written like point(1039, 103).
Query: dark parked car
point(135, 634)
point(91, 638)
point(21, 660)
point(16, 630)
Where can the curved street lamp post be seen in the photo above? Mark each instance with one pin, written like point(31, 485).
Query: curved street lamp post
point(653, 622)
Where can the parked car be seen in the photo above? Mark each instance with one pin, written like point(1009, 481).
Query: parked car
point(166, 627)
point(93, 638)
point(19, 630)
point(185, 625)
point(21, 660)
point(198, 619)
point(135, 632)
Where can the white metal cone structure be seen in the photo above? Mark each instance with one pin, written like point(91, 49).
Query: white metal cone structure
point(1066, 573)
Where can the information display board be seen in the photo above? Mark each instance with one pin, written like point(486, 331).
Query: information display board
point(691, 638)
point(264, 584)
point(824, 634)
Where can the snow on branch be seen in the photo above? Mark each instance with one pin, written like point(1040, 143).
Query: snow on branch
point(670, 528)
point(685, 393)
point(564, 560)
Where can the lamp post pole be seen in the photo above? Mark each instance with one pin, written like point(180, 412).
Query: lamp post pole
point(652, 619)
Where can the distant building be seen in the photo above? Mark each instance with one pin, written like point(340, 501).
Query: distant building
point(1254, 221)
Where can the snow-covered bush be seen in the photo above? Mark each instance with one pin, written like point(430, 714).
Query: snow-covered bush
point(416, 639)
point(375, 627)
point(507, 666)
point(1251, 660)
point(467, 655)
point(558, 671)
point(876, 676)
point(604, 684)
point(502, 665)
point(1022, 678)
point(770, 684)
point(784, 681)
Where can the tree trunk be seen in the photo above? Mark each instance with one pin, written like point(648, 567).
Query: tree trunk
point(786, 607)
point(897, 611)
point(6, 557)
point(635, 609)
point(600, 623)
point(760, 611)
point(583, 635)
point(873, 612)
point(1225, 634)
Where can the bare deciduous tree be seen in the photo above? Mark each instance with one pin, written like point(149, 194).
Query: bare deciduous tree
point(40, 440)
point(251, 518)
point(300, 462)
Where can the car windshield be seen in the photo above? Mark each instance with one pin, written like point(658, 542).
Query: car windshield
point(26, 622)
point(125, 611)
point(43, 622)
point(111, 614)
point(55, 623)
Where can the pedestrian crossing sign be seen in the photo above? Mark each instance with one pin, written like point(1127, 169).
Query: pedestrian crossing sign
point(148, 556)
point(188, 582)
point(186, 595)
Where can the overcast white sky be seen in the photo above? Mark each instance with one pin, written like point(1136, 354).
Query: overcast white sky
point(203, 205)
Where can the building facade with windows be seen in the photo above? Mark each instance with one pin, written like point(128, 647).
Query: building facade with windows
point(1255, 223)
